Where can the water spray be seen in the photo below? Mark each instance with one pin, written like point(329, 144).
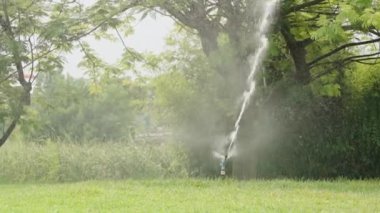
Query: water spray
point(255, 61)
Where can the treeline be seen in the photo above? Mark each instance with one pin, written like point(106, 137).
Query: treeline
point(68, 109)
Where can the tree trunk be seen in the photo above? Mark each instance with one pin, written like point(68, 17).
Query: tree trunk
point(209, 40)
point(9, 130)
point(298, 52)
point(6, 25)
point(302, 74)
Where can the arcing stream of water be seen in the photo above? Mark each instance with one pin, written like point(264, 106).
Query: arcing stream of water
point(254, 62)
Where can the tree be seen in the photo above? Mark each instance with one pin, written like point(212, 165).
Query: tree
point(318, 35)
point(321, 34)
point(32, 40)
point(321, 37)
point(315, 32)
point(33, 36)
point(66, 108)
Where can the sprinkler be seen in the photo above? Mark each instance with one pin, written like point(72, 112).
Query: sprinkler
point(223, 166)
point(222, 163)
point(224, 157)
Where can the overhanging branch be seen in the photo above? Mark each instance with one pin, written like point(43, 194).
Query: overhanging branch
point(340, 49)
point(363, 57)
point(349, 60)
point(304, 5)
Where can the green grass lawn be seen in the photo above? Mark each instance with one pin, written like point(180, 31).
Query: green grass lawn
point(192, 196)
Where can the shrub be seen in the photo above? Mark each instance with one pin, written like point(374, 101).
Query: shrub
point(60, 162)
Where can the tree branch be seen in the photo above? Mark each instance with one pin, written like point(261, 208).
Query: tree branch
point(325, 72)
point(368, 63)
point(358, 60)
point(346, 61)
point(8, 77)
point(375, 32)
point(6, 25)
point(302, 6)
point(363, 57)
point(351, 59)
point(340, 49)
point(32, 59)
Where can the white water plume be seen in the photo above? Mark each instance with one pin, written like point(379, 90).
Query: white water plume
point(255, 61)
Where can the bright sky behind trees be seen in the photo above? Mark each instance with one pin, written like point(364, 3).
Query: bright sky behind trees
point(149, 36)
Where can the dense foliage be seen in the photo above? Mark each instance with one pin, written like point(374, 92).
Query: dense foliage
point(65, 108)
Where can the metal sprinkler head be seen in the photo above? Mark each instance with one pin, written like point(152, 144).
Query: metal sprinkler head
point(224, 157)
point(222, 162)
point(223, 166)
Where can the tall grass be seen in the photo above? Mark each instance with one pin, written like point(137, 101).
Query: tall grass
point(64, 162)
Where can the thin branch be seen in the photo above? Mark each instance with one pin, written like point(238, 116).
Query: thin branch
point(32, 58)
point(34, 79)
point(340, 49)
point(121, 39)
point(318, 13)
point(363, 57)
point(87, 55)
point(345, 62)
point(375, 32)
point(325, 72)
point(138, 56)
point(368, 63)
point(304, 5)
point(178, 22)
point(128, 50)
point(17, 60)
point(37, 57)
point(8, 77)
point(38, 73)
point(350, 59)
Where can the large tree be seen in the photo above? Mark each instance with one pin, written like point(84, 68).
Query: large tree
point(319, 36)
point(33, 36)
point(316, 32)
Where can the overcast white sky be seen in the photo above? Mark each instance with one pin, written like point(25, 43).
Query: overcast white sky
point(149, 35)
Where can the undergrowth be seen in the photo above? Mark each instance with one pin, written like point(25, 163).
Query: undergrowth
point(66, 162)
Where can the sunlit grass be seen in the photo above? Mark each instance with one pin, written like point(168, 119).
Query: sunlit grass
point(189, 195)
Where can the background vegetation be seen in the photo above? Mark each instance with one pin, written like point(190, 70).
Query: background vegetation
point(68, 162)
point(316, 112)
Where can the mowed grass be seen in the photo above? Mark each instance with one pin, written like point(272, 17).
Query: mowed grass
point(191, 195)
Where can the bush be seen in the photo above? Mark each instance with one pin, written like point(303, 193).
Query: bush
point(62, 162)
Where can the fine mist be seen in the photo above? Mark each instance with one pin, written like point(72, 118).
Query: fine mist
point(220, 110)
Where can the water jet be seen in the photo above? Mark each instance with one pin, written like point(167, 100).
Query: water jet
point(255, 60)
